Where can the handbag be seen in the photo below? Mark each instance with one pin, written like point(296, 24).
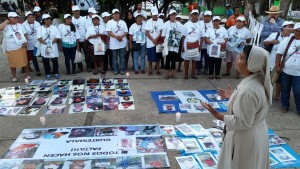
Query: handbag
point(136, 46)
point(270, 47)
point(78, 57)
point(274, 74)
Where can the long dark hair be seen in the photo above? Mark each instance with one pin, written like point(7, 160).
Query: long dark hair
point(128, 21)
point(73, 28)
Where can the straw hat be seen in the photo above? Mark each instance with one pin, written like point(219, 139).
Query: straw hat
point(274, 10)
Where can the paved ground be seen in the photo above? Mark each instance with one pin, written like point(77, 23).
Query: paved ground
point(286, 126)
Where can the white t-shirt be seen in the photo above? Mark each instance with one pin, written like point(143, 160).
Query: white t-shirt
point(49, 34)
point(292, 64)
point(154, 28)
point(236, 38)
point(204, 27)
point(275, 47)
point(172, 32)
point(80, 27)
point(138, 33)
point(217, 36)
point(117, 28)
point(94, 30)
point(67, 36)
point(89, 21)
point(31, 30)
point(12, 43)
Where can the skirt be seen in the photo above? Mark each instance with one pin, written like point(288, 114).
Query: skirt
point(17, 58)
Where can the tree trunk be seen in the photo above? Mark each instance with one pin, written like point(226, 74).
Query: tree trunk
point(284, 7)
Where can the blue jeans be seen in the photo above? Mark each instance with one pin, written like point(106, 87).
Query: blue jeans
point(206, 60)
point(118, 60)
point(288, 82)
point(136, 55)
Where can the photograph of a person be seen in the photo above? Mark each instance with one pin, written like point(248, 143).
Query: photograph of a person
point(19, 38)
point(23, 101)
point(82, 132)
point(48, 51)
point(215, 50)
point(55, 109)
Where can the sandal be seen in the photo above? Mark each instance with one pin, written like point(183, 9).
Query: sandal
point(150, 73)
point(14, 79)
point(226, 74)
point(193, 76)
point(283, 110)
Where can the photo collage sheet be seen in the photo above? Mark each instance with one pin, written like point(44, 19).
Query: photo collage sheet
point(93, 147)
point(200, 147)
point(80, 95)
point(188, 101)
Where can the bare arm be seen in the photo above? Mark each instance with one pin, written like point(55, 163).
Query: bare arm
point(3, 25)
point(208, 41)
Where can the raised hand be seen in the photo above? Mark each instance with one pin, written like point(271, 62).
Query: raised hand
point(225, 94)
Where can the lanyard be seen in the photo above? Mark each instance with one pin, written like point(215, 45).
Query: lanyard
point(47, 33)
point(118, 26)
point(14, 29)
point(31, 28)
point(97, 30)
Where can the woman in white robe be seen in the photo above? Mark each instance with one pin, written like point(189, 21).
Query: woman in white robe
point(246, 142)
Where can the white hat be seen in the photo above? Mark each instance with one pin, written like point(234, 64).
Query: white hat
point(115, 10)
point(207, 13)
point(92, 10)
point(136, 14)
point(287, 23)
point(227, 5)
point(28, 13)
point(95, 16)
point(154, 11)
point(46, 16)
point(105, 14)
point(161, 14)
point(66, 16)
point(75, 8)
point(12, 14)
point(37, 9)
point(216, 18)
point(195, 11)
point(241, 18)
point(172, 11)
point(297, 26)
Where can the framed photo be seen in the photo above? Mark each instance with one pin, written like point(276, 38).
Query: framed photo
point(215, 50)
point(99, 48)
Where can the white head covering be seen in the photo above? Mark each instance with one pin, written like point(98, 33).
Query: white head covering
point(258, 62)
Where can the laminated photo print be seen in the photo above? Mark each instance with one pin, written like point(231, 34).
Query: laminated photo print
point(55, 109)
point(185, 107)
point(156, 161)
point(199, 130)
point(150, 145)
point(215, 50)
point(49, 82)
point(10, 164)
point(52, 164)
point(78, 82)
point(126, 143)
point(124, 93)
point(44, 94)
point(94, 103)
point(5, 103)
point(281, 154)
point(174, 38)
point(60, 93)
point(187, 162)
point(82, 164)
point(106, 131)
point(75, 99)
point(36, 82)
point(126, 106)
point(185, 129)
point(99, 48)
point(43, 88)
point(27, 94)
point(193, 100)
point(133, 162)
point(32, 164)
point(191, 145)
point(149, 130)
point(30, 111)
point(93, 81)
point(174, 143)
point(111, 99)
point(13, 90)
point(77, 93)
point(78, 108)
point(65, 82)
point(206, 160)
point(120, 80)
point(82, 132)
point(126, 99)
point(110, 106)
point(105, 163)
point(57, 133)
point(122, 86)
point(9, 96)
point(19, 38)
point(216, 133)
point(208, 143)
point(92, 86)
point(169, 107)
point(273, 161)
point(39, 101)
point(167, 130)
point(77, 87)
point(168, 98)
point(57, 100)
point(213, 97)
point(275, 140)
point(61, 87)
point(128, 130)
point(140, 37)
point(199, 108)
point(94, 93)
point(107, 86)
point(107, 80)
point(29, 88)
point(10, 111)
point(109, 92)
point(21, 150)
point(31, 135)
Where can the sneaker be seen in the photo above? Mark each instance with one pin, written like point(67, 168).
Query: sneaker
point(122, 73)
point(57, 76)
point(38, 74)
point(48, 77)
point(136, 72)
point(115, 73)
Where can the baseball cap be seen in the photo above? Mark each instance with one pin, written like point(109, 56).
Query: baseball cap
point(105, 14)
point(37, 9)
point(207, 13)
point(28, 13)
point(46, 16)
point(241, 18)
point(66, 16)
point(75, 8)
point(92, 10)
point(172, 11)
point(227, 5)
point(115, 10)
point(12, 14)
point(136, 14)
point(95, 16)
point(287, 23)
point(297, 26)
point(216, 18)
point(154, 11)
point(195, 11)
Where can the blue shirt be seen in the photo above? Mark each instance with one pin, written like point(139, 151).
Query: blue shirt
point(270, 28)
point(229, 13)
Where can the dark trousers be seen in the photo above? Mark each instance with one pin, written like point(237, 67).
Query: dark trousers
point(84, 49)
point(107, 59)
point(69, 59)
point(171, 60)
point(289, 82)
point(162, 60)
point(46, 62)
point(214, 66)
point(127, 58)
point(34, 60)
point(206, 60)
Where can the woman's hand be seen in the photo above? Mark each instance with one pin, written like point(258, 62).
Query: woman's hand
point(24, 45)
point(225, 94)
point(213, 111)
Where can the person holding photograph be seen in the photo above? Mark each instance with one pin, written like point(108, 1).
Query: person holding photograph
point(107, 56)
point(215, 36)
point(94, 34)
point(117, 30)
point(69, 42)
point(15, 49)
point(192, 42)
point(49, 36)
point(31, 26)
point(137, 42)
point(246, 141)
point(239, 35)
point(172, 33)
